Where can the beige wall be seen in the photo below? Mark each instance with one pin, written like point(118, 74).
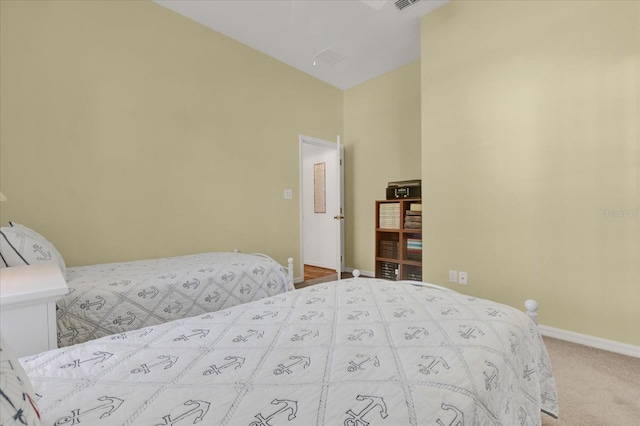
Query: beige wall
point(128, 132)
point(382, 144)
point(530, 118)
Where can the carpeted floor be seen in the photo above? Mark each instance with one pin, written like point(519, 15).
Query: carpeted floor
point(595, 387)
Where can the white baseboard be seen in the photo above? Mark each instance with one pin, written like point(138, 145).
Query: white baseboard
point(592, 341)
point(362, 272)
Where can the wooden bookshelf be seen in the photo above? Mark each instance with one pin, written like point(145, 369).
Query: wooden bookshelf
point(399, 239)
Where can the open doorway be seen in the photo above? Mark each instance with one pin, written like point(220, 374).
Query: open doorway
point(321, 224)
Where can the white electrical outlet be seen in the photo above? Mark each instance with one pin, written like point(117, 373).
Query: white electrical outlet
point(462, 278)
point(453, 276)
point(288, 194)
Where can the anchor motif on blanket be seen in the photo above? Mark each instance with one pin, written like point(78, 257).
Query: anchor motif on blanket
point(311, 315)
point(434, 362)
point(271, 314)
point(522, 416)
point(216, 296)
point(200, 410)
point(176, 308)
point(359, 334)
point(433, 298)
point(167, 276)
point(491, 378)
point(216, 315)
point(353, 288)
point(206, 270)
point(417, 333)
point(234, 361)
point(291, 406)
point(229, 277)
point(189, 284)
point(111, 404)
point(166, 360)
point(305, 333)
point(100, 303)
point(354, 300)
point(357, 419)
point(356, 366)
point(395, 299)
point(39, 249)
point(250, 333)
point(507, 407)
point(458, 419)
point(544, 398)
point(123, 336)
point(72, 334)
point(101, 357)
point(316, 300)
point(259, 270)
point(126, 320)
point(515, 344)
point(305, 361)
point(60, 313)
point(245, 289)
point(470, 332)
point(449, 311)
point(198, 332)
point(386, 288)
point(492, 312)
point(153, 292)
point(121, 282)
point(276, 299)
point(272, 284)
point(357, 314)
point(528, 372)
point(401, 313)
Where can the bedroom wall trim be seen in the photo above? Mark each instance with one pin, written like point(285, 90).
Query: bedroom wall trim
point(592, 341)
point(363, 273)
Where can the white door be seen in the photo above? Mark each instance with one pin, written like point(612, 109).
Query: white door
point(339, 217)
point(321, 229)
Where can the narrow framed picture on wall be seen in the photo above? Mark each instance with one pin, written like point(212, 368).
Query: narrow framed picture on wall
point(319, 188)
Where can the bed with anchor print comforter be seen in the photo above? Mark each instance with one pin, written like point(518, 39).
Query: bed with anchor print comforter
point(117, 297)
point(358, 352)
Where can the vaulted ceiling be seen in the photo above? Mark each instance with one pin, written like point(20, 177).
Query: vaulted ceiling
point(341, 42)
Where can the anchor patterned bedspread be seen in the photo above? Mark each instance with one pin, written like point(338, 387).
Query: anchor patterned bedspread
point(117, 297)
point(355, 352)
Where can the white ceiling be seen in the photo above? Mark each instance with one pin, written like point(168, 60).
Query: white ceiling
point(362, 38)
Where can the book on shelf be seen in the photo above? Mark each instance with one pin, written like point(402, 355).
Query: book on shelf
point(389, 270)
point(389, 249)
point(414, 249)
point(414, 276)
point(389, 216)
point(413, 218)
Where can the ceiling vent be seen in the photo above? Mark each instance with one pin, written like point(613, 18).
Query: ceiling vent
point(330, 56)
point(403, 4)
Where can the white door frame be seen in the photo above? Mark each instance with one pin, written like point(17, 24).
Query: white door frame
point(340, 178)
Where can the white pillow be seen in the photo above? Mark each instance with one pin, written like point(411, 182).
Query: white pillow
point(18, 404)
point(21, 246)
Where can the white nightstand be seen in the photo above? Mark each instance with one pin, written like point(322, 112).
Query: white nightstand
point(28, 296)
